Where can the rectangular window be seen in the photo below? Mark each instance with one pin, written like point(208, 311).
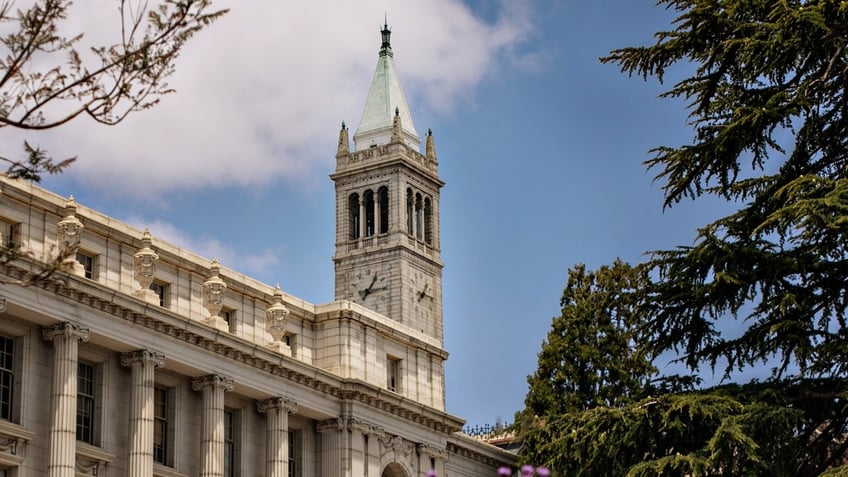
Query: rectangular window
point(393, 374)
point(10, 234)
point(160, 425)
point(161, 290)
point(7, 376)
point(229, 444)
point(85, 403)
point(88, 262)
point(229, 315)
point(290, 341)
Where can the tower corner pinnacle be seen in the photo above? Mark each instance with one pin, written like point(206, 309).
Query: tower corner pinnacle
point(430, 148)
point(397, 127)
point(344, 142)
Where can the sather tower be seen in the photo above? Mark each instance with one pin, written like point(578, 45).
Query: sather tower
point(387, 209)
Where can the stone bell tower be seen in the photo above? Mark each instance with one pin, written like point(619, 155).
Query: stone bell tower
point(387, 209)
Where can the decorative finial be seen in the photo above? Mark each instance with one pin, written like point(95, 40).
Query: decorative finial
point(386, 47)
point(144, 263)
point(397, 111)
point(213, 290)
point(69, 231)
point(277, 312)
point(343, 125)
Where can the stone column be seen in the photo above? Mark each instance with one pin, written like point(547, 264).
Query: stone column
point(213, 387)
point(377, 213)
point(365, 444)
point(331, 447)
point(362, 219)
point(277, 435)
point(142, 412)
point(63, 397)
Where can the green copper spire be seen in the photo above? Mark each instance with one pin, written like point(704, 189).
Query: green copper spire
point(384, 98)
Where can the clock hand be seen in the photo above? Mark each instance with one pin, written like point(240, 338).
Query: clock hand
point(365, 292)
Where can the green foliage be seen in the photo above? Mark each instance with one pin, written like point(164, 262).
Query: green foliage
point(759, 429)
point(46, 80)
point(591, 357)
point(768, 106)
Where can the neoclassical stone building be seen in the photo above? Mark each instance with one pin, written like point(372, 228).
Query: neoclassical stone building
point(144, 359)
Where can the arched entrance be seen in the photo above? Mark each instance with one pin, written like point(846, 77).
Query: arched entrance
point(394, 470)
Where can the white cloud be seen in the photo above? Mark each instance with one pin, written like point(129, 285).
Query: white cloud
point(251, 264)
point(261, 93)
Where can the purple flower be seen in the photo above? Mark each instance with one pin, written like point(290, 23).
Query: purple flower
point(543, 472)
point(526, 470)
point(504, 471)
point(431, 473)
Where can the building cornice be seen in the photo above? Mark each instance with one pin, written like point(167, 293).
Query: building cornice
point(166, 322)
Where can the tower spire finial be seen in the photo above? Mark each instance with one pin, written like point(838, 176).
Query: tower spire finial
point(386, 47)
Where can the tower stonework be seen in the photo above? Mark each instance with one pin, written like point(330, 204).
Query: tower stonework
point(387, 210)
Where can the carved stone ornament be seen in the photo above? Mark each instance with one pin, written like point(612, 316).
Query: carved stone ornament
point(277, 313)
point(279, 403)
point(433, 452)
point(144, 262)
point(213, 380)
point(395, 443)
point(86, 466)
point(143, 356)
point(213, 290)
point(65, 329)
point(366, 428)
point(337, 424)
point(69, 230)
point(9, 445)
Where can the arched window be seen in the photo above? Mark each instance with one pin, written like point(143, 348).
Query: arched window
point(368, 196)
point(409, 202)
point(353, 213)
point(383, 198)
point(428, 221)
point(418, 217)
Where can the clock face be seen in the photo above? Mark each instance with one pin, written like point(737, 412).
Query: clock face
point(422, 292)
point(370, 288)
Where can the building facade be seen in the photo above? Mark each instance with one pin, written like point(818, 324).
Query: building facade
point(139, 358)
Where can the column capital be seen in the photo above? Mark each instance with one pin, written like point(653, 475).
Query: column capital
point(65, 329)
point(144, 356)
point(432, 451)
point(278, 403)
point(364, 427)
point(213, 380)
point(338, 424)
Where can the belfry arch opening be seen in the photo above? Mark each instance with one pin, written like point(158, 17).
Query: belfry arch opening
point(428, 221)
point(353, 213)
point(383, 202)
point(370, 224)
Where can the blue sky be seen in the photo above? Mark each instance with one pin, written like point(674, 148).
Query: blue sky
point(540, 145)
